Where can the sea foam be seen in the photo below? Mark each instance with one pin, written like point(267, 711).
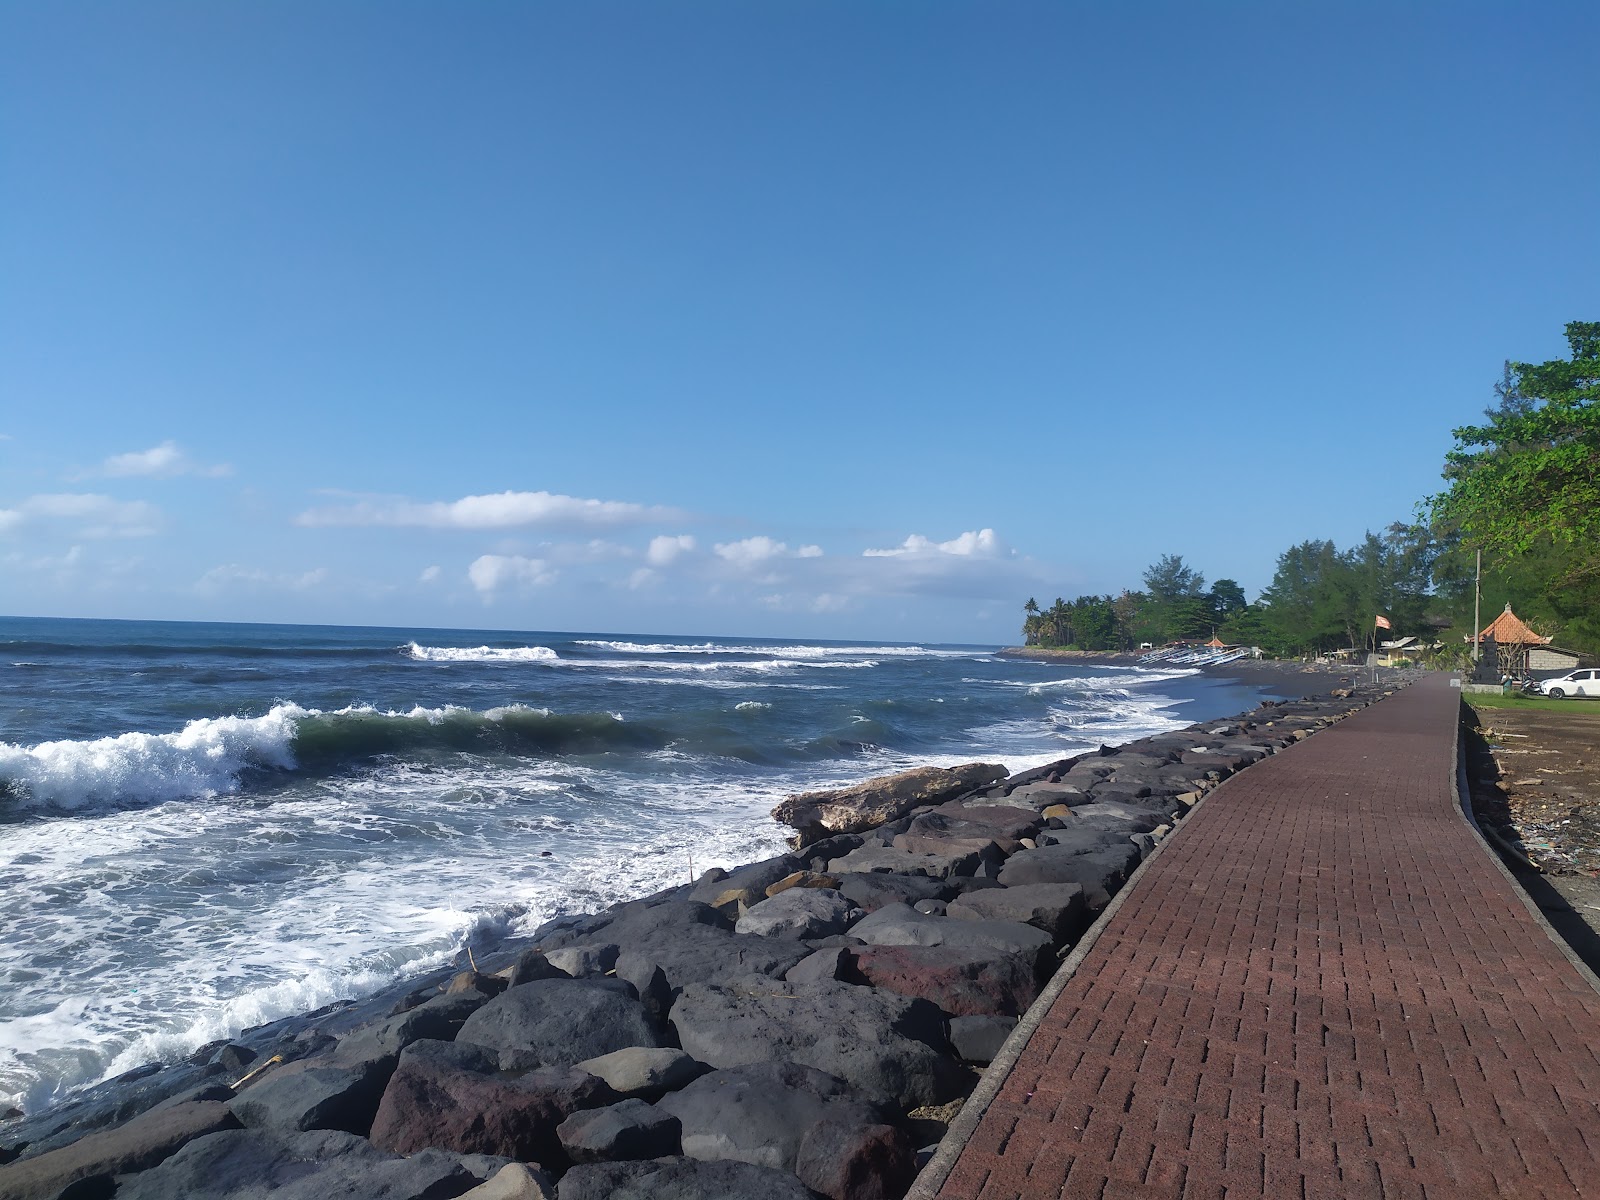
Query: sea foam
point(482, 654)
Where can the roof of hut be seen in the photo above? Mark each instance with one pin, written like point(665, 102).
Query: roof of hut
point(1509, 630)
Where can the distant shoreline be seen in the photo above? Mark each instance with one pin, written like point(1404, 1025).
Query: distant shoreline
point(1284, 675)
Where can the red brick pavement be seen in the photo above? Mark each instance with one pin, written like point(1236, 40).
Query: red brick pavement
point(1322, 988)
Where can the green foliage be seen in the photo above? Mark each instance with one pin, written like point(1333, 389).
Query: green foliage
point(1531, 474)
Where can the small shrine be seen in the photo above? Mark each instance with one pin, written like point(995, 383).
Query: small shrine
point(1509, 640)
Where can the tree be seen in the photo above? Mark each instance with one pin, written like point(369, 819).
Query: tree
point(1531, 475)
point(1168, 579)
point(1227, 598)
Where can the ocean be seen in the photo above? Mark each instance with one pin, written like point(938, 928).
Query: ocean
point(204, 827)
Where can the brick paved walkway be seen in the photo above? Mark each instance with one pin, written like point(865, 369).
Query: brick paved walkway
point(1323, 988)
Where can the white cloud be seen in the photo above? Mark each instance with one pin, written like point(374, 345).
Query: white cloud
point(491, 572)
point(429, 575)
point(161, 461)
point(502, 510)
point(234, 576)
point(809, 552)
point(96, 516)
point(981, 543)
point(665, 550)
point(751, 550)
point(642, 578)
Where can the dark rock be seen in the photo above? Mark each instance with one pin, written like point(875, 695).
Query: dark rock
point(253, 1164)
point(562, 1021)
point(746, 885)
point(872, 891)
point(819, 965)
point(958, 819)
point(1056, 908)
point(760, 1113)
point(631, 1129)
point(444, 1095)
point(316, 1094)
point(889, 1046)
point(644, 1073)
point(709, 956)
point(106, 1104)
point(848, 1161)
point(234, 1057)
point(877, 801)
point(680, 1179)
point(978, 1039)
point(897, 925)
point(1101, 872)
point(648, 981)
point(930, 908)
point(440, 1019)
point(962, 980)
point(580, 961)
point(799, 913)
point(533, 966)
point(836, 846)
point(486, 986)
point(902, 862)
point(87, 1165)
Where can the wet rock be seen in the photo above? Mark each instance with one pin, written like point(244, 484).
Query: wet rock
point(88, 1164)
point(961, 980)
point(888, 1046)
point(878, 801)
point(799, 913)
point(644, 1073)
point(761, 1113)
point(444, 1094)
point(563, 1021)
point(631, 1129)
point(746, 885)
point(104, 1105)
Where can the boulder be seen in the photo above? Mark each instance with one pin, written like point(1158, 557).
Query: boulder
point(680, 1179)
point(1101, 872)
point(642, 1072)
point(443, 1094)
point(563, 1021)
point(890, 1047)
point(476, 981)
point(708, 956)
point(514, 1181)
point(849, 1161)
point(578, 961)
point(878, 801)
point(631, 1129)
point(1058, 909)
point(942, 865)
point(255, 1164)
point(534, 965)
point(761, 1113)
point(805, 879)
point(88, 1163)
point(977, 1039)
point(438, 1019)
point(106, 1104)
point(871, 891)
point(959, 819)
point(897, 925)
point(746, 885)
point(315, 1093)
point(822, 964)
point(962, 980)
point(799, 913)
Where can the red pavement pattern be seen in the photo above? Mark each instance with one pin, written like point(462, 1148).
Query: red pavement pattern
point(1322, 988)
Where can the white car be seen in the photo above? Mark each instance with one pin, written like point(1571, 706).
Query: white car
point(1574, 683)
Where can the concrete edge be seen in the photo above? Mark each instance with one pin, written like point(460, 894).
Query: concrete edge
point(932, 1177)
point(1460, 786)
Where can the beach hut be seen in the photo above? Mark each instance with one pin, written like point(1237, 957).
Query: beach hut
point(1217, 643)
point(1513, 641)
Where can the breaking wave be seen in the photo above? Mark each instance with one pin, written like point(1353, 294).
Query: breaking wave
point(481, 653)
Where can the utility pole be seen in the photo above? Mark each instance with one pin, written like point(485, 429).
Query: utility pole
point(1477, 600)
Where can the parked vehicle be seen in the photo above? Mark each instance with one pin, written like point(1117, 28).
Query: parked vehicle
point(1582, 682)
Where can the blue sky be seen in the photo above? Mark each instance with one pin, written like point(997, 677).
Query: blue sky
point(827, 319)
